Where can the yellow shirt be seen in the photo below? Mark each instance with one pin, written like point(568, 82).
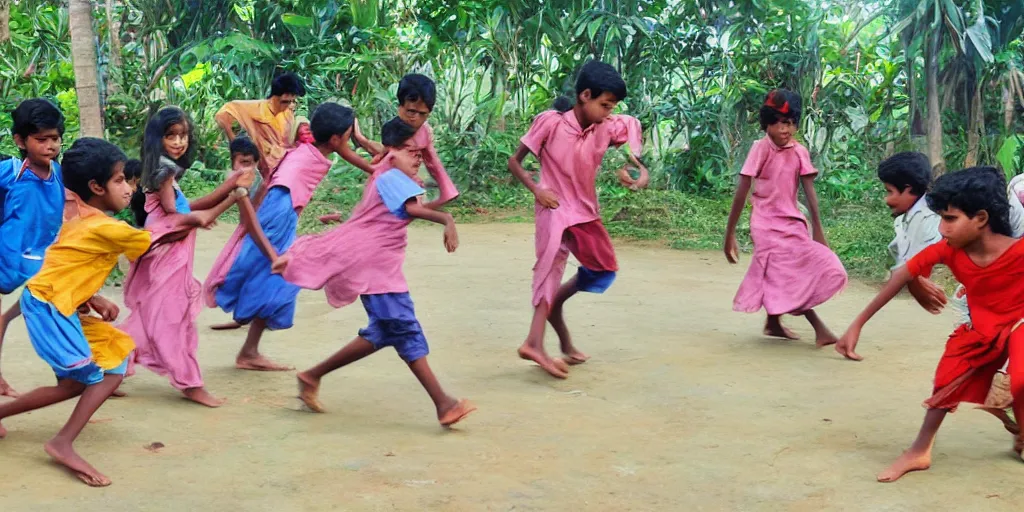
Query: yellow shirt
point(270, 132)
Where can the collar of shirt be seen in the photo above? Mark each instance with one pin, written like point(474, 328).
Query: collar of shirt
point(24, 167)
point(921, 206)
point(776, 147)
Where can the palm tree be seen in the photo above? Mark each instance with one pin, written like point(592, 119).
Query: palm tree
point(83, 56)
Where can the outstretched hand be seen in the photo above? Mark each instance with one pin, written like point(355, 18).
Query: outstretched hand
point(847, 345)
point(928, 294)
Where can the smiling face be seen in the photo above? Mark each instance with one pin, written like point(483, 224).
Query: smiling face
point(41, 147)
point(899, 201)
point(175, 141)
point(595, 110)
point(781, 131)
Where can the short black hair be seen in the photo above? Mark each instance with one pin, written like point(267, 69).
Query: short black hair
point(244, 146)
point(971, 191)
point(132, 169)
point(287, 83)
point(562, 104)
point(415, 87)
point(778, 105)
point(600, 78)
point(328, 120)
point(89, 159)
point(395, 132)
point(907, 169)
point(35, 115)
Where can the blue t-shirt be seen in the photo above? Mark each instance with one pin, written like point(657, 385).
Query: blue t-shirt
point(395, 188)
point(32, 212)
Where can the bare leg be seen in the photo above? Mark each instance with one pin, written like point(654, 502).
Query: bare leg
point(557, 320)
point(450, 410)
point(823, 337)
point(919, 456)
point(1018, 413)
point(309, 380)
point(5, 320)
point(203, 397)
point(227, 326)
point(773, 328)
point(249, 358)
point(533, 348)
point(1008, 423)
point(61, 446)
point(39, 398)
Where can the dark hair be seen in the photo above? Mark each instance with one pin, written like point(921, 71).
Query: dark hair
point(89, 159)
point(287, 83)
point(907, 169)
point(395, 132)
point(600, 78)
point(971, 191)
point(562, 104)
point(328, 120)
point(132, 169)
point(153, 144)
point(244, 146)
point(415, 87)
point(778, 105)
point(35, 115)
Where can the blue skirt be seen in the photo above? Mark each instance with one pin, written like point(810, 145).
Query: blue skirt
point(59, 341)
point(250, 290)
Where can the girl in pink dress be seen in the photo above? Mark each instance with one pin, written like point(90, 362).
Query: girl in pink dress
point(790, 273)
point(362, 259)
point(160, 290)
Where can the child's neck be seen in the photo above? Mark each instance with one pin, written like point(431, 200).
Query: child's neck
point(325, 150)
point(97, 202)
point(577, 110)
point(42, 171)
point(988, 247)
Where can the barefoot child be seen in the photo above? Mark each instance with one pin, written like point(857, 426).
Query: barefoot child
point(88, 356)
point(241, 282)
point(977, 247)
point(570, 146)
point(363, 259)
point(790, 273)
point(160, 290)
point(31, 201)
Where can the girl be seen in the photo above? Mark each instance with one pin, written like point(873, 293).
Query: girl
point(160, 290)
point(302, 133)
point(363, 259)
point(241, 282)
point(789, 272)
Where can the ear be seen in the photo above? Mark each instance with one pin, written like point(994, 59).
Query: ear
point(96, 188)
point(981, 218)
point(586, 95)
point(19, 141)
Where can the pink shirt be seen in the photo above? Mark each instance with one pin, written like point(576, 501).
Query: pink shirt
point(423, 142)
point(301, 170)
point(776, 173)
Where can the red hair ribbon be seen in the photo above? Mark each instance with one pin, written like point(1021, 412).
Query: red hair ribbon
point(770, 101)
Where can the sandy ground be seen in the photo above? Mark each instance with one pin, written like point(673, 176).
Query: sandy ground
point(683, 407)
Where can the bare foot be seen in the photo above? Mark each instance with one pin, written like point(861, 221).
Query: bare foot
point(309, 390)
point(64, 454)
point(3, 431)
point(117, 393)
point(825, 339)
point(7, 390)
point(260, 364)
point(909, 461)
point(203, 397)
point(1018, 445)
point(777, 330)
point(574, 357)
point(455, 413)
point(553, 367)
point(230, 326)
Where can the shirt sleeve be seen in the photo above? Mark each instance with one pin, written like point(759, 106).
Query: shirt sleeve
point(540, 130)
point(806, 167)
point(922, 233)
point(755, 159)
point(627, 130)
point(445, 186)
point(1016, 214)
point(395, 188)
point(921, 265)
point(121, 237)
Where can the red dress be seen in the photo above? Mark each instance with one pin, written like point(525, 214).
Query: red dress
point(976, 351)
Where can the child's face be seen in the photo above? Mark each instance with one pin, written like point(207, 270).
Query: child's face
point(414, 113)
point(406, 161)
point(40, 147)
point(114, 195)
point(243, 162)
point(176, 141)
point(959, 229)
point(782, 131)
point(304, 135)
point(133, 183)
point(596, 110)
point(899, 201)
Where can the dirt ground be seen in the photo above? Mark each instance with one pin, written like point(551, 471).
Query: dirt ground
point(683, 407)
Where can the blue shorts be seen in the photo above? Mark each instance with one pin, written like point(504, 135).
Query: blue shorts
point(393, 324)
point(594, 281)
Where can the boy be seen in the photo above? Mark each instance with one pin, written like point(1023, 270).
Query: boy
point(87, 354)
point(570, 146)
point(31, 201)
point(978, 248)
point(268, 122)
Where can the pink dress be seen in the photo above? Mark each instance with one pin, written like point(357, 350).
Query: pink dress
point(423, 143)
point(789, 272)
point(570, 158)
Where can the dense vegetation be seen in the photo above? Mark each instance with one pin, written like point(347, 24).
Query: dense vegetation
point(941, 76)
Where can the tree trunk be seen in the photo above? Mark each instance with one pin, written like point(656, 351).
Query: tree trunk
point(5, 21)
point(1008, 109)
point(114, 32)
point(934, 128)
point(83, 56)
point(977, 119)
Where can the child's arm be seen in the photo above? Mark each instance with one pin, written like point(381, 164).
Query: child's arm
point(731, 248)
point(167, 201)
point(252, 226)
point(374, 148)
point(226, 122)
point(628, 181)
point(242, 178)
point(545, 197)
point(812, 206)
point(848, 343)
point(417, 210)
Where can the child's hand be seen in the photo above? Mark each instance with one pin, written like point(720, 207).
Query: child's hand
point(107, 310)
point(246, 178)
point(280, 264)
point(731, 249)
point(633, 184)
point(848, 344)
point(451, 237)
point(928, 294)
point(327, 219)
point(206, 218)
point(546, 198)
point(819, 236)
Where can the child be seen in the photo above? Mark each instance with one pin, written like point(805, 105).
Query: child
point(979, 250)
point(302, 133)
point(570, 146)
point(160, 289)
point(31, 201)
point(789, 272)
point(240, 281)
point(88, 356)
point(363, 259)
point(132, 173)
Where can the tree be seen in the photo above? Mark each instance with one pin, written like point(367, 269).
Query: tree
point(83, 56)
point(5, 20)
